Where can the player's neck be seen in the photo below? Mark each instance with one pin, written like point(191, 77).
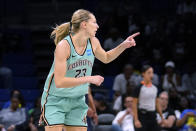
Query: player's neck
point(80, 39)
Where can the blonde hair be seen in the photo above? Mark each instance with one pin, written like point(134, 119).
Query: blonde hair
point(64, 29)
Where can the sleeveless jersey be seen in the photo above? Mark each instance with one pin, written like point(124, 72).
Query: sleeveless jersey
point(77, 66)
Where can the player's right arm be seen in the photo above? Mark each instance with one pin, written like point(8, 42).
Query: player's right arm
point(62, 53)
point(109, 56)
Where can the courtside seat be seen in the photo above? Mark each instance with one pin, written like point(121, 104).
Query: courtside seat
point(105, 122)
point(103, 128)
point(105, 119)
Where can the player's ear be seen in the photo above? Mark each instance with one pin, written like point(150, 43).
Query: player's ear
point(83, 24)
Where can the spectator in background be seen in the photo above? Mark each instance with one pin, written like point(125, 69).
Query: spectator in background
point(170, 78)
point(119, 102)
point(17, 93)
point(147, 29)
point(113, 40)
point(109, 43)
point(186, 7)
point(101, 105)
point(179, 51)
point(133, 27)
point(188, 80)
point(35, 116)
point(157, 62)
point(183, 104)
point(174, 99)
point(122, 79)
point(12, 117)
point(155, 79)
point(124, 119)
point(168, 113)
point(187, 121)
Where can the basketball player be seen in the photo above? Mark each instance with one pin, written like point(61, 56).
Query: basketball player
point(63, 98)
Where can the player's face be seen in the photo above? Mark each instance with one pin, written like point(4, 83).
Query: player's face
point(92, 26)
point(148, 75)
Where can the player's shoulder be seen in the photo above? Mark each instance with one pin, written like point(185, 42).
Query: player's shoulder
point(62, 49)
point(63, 44)
point(94, 40)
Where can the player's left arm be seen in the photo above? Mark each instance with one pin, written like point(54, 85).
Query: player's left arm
point(107, 57)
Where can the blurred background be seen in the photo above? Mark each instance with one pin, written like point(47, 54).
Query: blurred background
point(167, 40)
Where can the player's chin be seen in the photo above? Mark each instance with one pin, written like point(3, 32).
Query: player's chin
point(93, 34)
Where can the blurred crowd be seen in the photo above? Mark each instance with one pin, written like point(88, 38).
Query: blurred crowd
point(14, 116)
point(166, 35)
point(177, 97)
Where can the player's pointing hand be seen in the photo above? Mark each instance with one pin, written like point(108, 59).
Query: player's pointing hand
point(129, 42)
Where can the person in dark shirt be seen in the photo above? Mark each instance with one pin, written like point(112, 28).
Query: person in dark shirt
point(174, 99)
point(187, 118)
point(35, 115)
point(168, 113)
point(17, 93)
point(101, 106)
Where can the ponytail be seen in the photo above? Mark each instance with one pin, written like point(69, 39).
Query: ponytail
point(60, 32)
point(64, 29)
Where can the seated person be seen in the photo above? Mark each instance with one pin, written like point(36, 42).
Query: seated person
point(121, 80)
point(12, 116)
point(119, 102)
point(35, 116)
point(124, 119)
point(171, 79)
point(18, 93)
point(168, 114)
point(101, 106)
point(187, 121)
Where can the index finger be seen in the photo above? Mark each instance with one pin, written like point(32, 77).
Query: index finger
point(136, 34)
